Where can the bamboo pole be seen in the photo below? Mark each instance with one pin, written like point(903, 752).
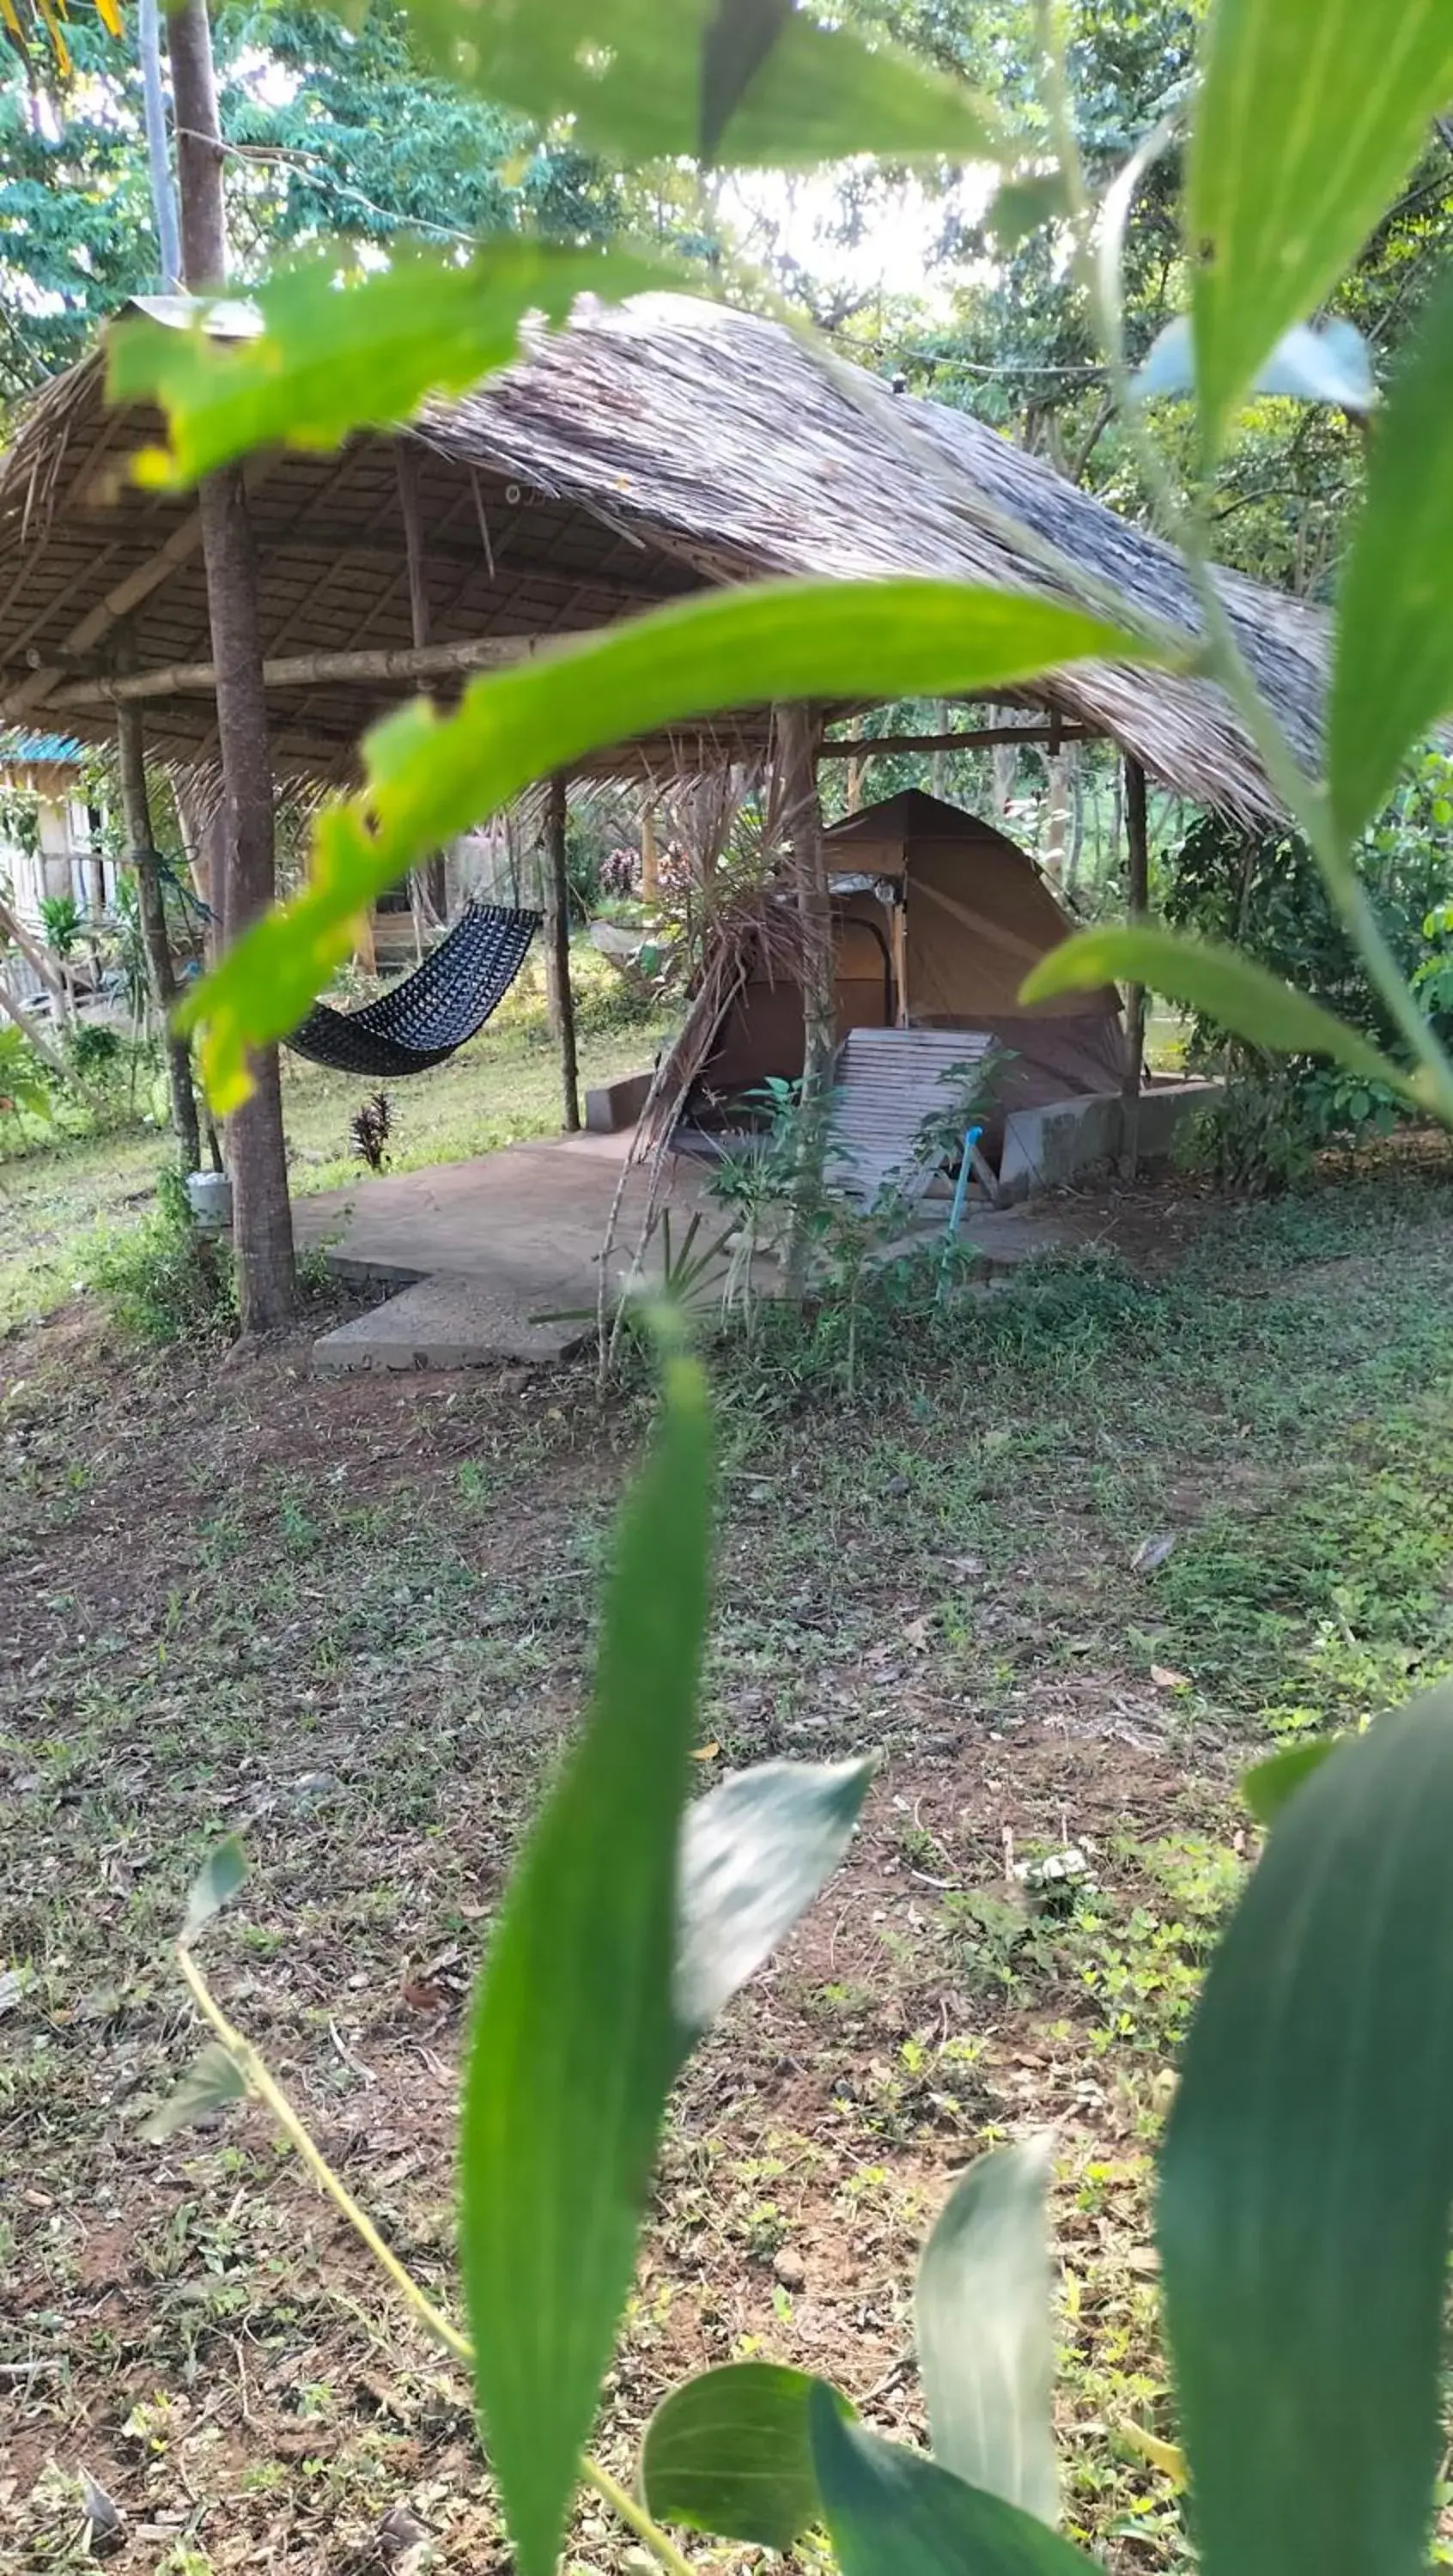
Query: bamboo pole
point(868, 746)
point(1137, 841)
point(48, 1054)
point(136, 806)
point(12, 928)
point(431, 878)
point(798, 731)
point(296, 671)
point(557, 953)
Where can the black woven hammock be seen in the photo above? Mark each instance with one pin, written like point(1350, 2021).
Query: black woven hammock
point(438, 1008)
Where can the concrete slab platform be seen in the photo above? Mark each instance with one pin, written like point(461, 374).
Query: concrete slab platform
point(448, 1321)
point(482, 1249)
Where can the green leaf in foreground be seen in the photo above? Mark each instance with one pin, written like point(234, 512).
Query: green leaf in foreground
point(575, 2041)
point(633, 76)
point(1307, 2175)
point(734, 48)
point(1022, 205)
point(209, 2081)
point(753, 1855)
point(1222, 984)
point(432, 777)
point(730, 2453)
point(1268, 1785)
point(216, 1883)
point(339, 351)
point(982, 2324)
point(1393, 672)
point(1310, 114)
point(891, 2512)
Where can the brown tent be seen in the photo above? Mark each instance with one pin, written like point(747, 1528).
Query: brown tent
point(938, 918)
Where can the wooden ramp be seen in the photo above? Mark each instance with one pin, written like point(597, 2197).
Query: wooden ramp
point(888, 1082)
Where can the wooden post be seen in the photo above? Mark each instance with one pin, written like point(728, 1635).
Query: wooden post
point(256, 1146)
point(898, 925)
point(557, 954)
point(95, 868)
point(136, 807)
point(1057, 812)
point(650, 857)
point(797, 730)
point(433, 877)
point(1138, 905)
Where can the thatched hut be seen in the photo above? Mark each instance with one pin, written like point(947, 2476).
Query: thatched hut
point(642, 453)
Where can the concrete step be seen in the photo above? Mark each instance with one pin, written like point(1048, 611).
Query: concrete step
point(450, 1320)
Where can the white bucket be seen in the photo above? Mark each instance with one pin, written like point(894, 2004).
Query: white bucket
point(210, 1194)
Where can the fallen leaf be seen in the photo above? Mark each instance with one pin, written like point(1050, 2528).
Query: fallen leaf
point(916, 1634)
point(1152, 1552)
point(105, 2520)
point(1165, 1679)
point(1161, 2455)
point(403, 2539)
point(421, 1997)
point(706, 1753)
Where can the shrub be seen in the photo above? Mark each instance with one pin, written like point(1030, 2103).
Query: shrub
point(1275, 1116)
point(94, 1049)
point(164, 1280)
point(1265, 894)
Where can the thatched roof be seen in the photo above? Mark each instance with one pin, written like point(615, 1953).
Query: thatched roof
point(638, 454)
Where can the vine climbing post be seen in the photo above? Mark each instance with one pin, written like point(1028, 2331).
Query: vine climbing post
point(141, 850)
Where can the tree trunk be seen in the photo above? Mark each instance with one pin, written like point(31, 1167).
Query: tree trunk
point(256, 1149)
point(797, 732)
point(163, 982)
point(1138, 905)
point(557, 956)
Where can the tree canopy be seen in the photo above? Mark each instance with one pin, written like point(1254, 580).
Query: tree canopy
point(331, 129)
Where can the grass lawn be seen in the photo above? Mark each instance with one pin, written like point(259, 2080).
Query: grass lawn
point(63, 1197)
point(352, 1620)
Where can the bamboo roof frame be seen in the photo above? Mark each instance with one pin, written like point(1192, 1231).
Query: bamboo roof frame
point(641, 453)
